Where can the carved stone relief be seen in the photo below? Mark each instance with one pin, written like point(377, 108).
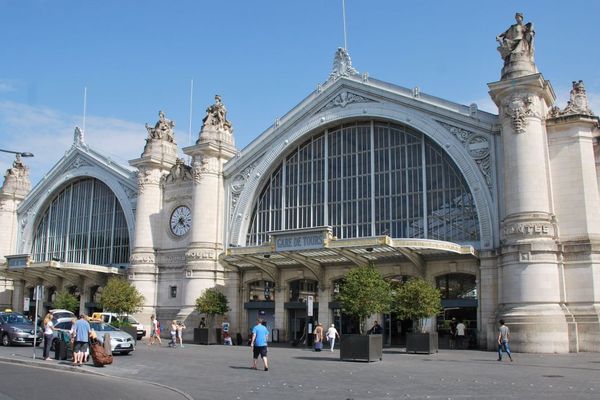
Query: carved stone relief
point(148, 177)
point(478, 147)
point(204, 166)
point(142, 259)
point(518, 108)
point(237, 185)
point(343, 99)
point(131, 194)
point(527, 229)
point(179, 172)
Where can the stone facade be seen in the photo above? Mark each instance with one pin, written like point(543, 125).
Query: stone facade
point(531, 171)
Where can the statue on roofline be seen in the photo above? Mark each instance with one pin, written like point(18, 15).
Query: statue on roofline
point(516, 40)
point(163, 129)
point(216, 115)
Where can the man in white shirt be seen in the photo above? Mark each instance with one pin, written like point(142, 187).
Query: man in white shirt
point(460, 334)
point(331, 334)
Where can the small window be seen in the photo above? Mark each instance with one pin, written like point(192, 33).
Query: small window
point(173, 291)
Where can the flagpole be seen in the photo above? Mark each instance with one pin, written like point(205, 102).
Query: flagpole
point(191, 108)
point(344, 17)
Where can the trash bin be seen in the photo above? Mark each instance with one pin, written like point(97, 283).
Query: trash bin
point(275, 335)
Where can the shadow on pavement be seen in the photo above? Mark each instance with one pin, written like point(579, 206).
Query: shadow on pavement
point(318, 359)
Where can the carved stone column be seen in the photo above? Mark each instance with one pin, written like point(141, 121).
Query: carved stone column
point(160, 154)
point(18, 295)
point(212, 150)
point(529, 281)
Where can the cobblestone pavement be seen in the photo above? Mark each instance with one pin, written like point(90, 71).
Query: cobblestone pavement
point(223, 372)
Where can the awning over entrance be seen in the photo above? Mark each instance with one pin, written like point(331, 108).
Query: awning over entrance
point(20, 267)
point(315, 249)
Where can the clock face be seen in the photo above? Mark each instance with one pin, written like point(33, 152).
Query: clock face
point(181, 221)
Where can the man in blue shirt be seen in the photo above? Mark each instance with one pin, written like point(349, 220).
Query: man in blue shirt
point(258, 344)
point(82, 334)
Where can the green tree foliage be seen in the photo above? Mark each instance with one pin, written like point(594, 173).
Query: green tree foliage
point(212, 302)
point(66, 301)
point(416, 300)
point(121, 297)
point(363, 293)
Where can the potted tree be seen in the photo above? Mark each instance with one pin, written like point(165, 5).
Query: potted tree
point(212, 303)
point(418, 300)
point(119, 296)
point(363, 293)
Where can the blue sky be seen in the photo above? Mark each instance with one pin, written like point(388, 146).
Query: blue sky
point(263, 57)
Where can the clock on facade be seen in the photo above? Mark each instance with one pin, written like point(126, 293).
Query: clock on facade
point(181, 221)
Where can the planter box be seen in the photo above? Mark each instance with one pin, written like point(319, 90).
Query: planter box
point(206, 336)
point(361, 348)
point(422, 342)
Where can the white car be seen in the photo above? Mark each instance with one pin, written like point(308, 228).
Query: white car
point(60, 315)
point(120, 341)
point(109, 318)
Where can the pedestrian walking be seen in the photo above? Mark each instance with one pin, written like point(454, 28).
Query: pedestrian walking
point(503, 338)
point(318, 337)
point(460, 335)
point(376, 329)
point(173, 333)
point(180, 328)
point(48, 332)
point(258, 344)
point(82, 335)
point(331, 335)
point(452, 337)
point(154, 331)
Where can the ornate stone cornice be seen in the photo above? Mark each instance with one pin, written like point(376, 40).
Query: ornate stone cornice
point(343, 99)
point(478, 147)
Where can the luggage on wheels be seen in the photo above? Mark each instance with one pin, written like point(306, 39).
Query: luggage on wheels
point(98, 354)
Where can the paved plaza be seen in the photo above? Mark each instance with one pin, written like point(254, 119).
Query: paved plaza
point(223, 372)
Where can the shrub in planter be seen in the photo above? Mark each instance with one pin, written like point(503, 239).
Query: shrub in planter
point(418, 300)
point(363, 293)
point(212, 303)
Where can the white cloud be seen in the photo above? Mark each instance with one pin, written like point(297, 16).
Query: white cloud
point(7, 86)
point(48, 134)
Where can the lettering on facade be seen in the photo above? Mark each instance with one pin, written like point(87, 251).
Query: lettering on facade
point(300, 242)
point(527, 229)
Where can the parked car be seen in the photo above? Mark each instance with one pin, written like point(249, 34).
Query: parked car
point(15, 328)
point(109, 318)
point(120, 341)
point(60, 315)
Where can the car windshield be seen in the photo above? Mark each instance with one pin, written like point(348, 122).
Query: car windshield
point(102, 327)
point(131, 320)
point(15, 319)
point(62, 314)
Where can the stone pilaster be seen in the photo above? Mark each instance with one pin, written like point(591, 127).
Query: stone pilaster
point(529, 281)
point(571, 136)
point(160, 154)
point(280, 314)
point(488, 299)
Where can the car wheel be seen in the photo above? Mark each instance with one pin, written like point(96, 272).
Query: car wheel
point(5, 340)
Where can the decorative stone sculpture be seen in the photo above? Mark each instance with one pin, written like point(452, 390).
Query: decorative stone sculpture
point(577, 105)
point(78, 137)
point(16, 179)
point(163, 129)
point(216, 116)
point(516, 49)
point(179, 171)
point(342, 65)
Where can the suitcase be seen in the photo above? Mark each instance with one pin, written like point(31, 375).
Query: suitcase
point(99, 357)
point(318, 346)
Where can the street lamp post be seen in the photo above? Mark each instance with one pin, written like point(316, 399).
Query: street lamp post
point(22, 154)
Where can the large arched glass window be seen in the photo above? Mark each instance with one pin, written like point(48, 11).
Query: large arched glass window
point(83, 223)
point(367, 178)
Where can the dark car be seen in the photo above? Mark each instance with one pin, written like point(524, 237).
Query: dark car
point(16, 328)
